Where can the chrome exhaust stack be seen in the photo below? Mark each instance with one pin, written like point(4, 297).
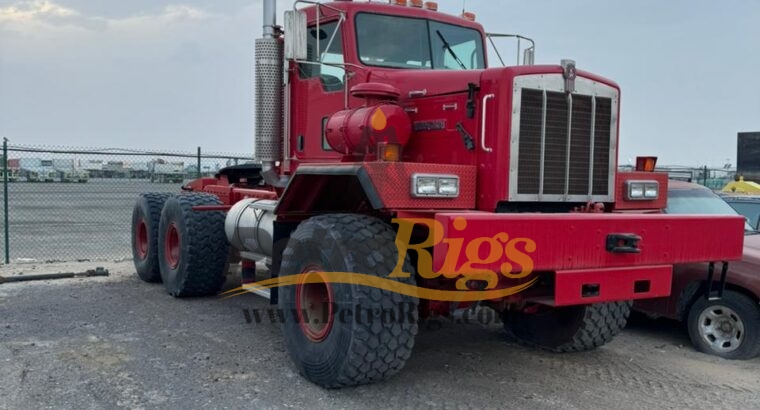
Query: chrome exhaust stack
point(270, 18)
point(269, 80)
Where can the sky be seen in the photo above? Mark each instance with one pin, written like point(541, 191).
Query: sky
point(176, 74)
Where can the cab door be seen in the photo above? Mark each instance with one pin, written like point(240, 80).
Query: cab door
point(317, 91)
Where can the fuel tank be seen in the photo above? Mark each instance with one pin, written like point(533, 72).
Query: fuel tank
point(250, 226)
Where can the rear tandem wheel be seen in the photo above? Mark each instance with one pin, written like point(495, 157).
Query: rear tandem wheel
point(193, 246)
point(146, 217)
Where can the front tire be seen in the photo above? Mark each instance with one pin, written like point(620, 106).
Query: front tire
point(728, 327)
point(193, 246)
point(338, 349)
point(571, 328)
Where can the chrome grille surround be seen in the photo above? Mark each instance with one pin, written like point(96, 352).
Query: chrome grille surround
point(568, 142)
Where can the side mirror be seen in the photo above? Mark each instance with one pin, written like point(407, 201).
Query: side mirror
point(295, 35)
point(528, 55)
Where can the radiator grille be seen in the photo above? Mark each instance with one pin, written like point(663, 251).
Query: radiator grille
point(564, 145)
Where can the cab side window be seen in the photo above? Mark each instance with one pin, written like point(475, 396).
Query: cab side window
point(331, 76)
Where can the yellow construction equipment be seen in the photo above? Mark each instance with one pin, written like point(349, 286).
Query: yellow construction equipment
point(742, 187)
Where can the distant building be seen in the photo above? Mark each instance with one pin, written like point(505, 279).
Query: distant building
point(94, 168)
point(139, 170)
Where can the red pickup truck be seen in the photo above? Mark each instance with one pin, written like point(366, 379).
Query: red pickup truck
point(728, 327)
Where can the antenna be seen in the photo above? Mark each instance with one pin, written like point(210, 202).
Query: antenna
point(464, 6)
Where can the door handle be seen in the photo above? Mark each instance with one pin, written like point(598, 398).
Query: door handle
point(483, 123)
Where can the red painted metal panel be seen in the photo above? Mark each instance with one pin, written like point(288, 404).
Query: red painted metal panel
point(613, 284)
point(197, 185)
point(578, 241)
point(247, 193)
point(211, 208)
point(223, 192)
point(393, 183)
point(621, 203)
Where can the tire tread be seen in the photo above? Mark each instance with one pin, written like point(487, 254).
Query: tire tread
point(600, 324)
point(205, 247)
point(149, 271)
point(378, 351)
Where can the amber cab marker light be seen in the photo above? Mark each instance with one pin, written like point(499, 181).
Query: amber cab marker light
point(399, 2)
point(646, 164)
point(389, 152)
point(415, 3)
point(467, 15)
point(431, 5)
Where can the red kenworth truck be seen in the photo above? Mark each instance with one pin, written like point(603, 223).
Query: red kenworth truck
point(382, 130)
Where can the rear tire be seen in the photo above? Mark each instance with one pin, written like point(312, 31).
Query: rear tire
point(346, 351)
point(569, 329)
point(146, 217)
point(728, 328)
point(193, 246)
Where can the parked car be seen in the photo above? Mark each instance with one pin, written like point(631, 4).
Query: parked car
point(728, 327)
point(747, 205)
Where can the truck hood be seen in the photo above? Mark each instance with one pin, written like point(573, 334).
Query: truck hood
point(439, 82)
point(431, 82)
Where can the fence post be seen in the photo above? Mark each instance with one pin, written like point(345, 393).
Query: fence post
point(705, 176)
point(199, 163)
point(5, 202)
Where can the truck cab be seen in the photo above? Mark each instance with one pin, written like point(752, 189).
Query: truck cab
point(461, 112)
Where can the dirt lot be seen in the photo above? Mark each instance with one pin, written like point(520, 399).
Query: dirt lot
point(115, 341)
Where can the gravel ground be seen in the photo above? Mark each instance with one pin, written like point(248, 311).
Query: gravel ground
point(118, 342)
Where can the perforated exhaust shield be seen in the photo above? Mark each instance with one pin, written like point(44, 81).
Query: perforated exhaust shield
point(268, 88)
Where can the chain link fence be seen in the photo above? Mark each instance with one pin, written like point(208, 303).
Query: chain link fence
point(69, 204)
point(713, 178)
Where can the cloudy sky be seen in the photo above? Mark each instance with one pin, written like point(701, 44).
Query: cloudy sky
point(175, 74)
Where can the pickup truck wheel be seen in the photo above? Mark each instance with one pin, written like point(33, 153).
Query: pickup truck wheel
point(192, 246)
point(569, 329)
point(330, 344)
point(146, 216)
point(729, 327)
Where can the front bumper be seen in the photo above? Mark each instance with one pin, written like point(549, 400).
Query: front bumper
point(576, 287)
point(576, 247)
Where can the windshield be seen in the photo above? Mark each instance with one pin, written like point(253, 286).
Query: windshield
point(403, 42)
point(699, 201)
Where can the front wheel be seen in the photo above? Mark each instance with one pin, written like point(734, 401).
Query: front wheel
point(728, 327)
point(571, 328)
point(345, 334)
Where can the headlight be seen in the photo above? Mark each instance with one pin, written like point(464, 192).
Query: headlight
point(427, 186)
point(643, 190)
point(435, 186)
point(448, 186)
